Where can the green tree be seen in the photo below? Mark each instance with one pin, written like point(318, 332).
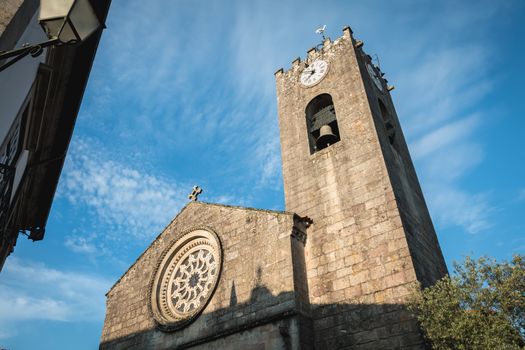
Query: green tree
point(481, 306)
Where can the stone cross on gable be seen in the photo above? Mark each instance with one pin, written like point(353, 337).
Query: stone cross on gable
point(195, 193)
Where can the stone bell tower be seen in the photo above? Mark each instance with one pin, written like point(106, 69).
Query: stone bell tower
point(347, 167)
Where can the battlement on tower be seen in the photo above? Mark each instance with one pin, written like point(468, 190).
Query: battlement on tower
point(325, 49)
point(328, 50)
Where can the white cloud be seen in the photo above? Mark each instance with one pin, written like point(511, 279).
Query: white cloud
point(33, 291)
point(451, 163)
point(445, 136)
point(203, 83)
point(268, 157)
point(441, 86)
point(80, 244)
point(456, 207)
point(208, 83)
point(122, 196)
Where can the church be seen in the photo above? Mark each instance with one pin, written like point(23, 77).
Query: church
point(333, 271)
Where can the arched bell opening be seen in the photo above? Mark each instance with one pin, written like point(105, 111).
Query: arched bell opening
point(387, 120)
point(321, 123)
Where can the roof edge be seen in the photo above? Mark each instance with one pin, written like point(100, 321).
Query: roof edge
point(179, 213)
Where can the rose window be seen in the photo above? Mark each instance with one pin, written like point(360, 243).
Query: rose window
point(192, 281)
point(185, 279)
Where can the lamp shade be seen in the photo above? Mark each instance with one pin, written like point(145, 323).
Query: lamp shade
point(68, 20)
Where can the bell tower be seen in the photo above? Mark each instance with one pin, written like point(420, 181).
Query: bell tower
point(347, 167)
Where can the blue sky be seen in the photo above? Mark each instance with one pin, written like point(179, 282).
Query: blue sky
point(182, 93)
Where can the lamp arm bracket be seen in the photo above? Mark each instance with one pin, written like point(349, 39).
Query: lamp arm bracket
point(33, 50)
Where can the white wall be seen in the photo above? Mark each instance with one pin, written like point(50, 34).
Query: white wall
point(15, 83)
point(16, 80)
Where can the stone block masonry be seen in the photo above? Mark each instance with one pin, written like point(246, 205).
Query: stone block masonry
point(364, 250)
point(254, 302)
point(333, 272)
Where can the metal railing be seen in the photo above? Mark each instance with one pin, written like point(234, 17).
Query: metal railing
point(7, 174)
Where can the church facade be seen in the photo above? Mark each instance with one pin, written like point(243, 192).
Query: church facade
point(331, 272)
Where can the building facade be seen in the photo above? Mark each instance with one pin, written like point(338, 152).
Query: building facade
point(39, 102)
point(333, 271)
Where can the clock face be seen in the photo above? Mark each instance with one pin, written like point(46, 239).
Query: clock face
point(374, 77)
point(314, 73)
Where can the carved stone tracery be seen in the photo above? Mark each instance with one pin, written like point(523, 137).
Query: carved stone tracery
point(185, 279)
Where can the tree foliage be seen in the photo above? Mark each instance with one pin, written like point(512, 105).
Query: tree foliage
point(482, 306)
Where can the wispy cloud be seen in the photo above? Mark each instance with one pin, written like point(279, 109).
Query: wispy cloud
point(122, 197)
point(444, 137)
point(204, 84)
point(33, 291)
point(207, 83)
point(80, 244)
point(448, 82)
point(442, 85)
point(456, 207)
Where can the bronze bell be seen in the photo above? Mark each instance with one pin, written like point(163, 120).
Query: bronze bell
point(326, 137)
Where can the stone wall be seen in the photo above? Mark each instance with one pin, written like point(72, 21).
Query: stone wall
point(342, 287)
point(424, 247)
point(254, 302)
point(358, 258)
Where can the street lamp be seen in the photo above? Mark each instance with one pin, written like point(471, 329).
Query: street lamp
point(64, 22)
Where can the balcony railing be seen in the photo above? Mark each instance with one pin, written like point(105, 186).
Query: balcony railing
point(7, 174)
